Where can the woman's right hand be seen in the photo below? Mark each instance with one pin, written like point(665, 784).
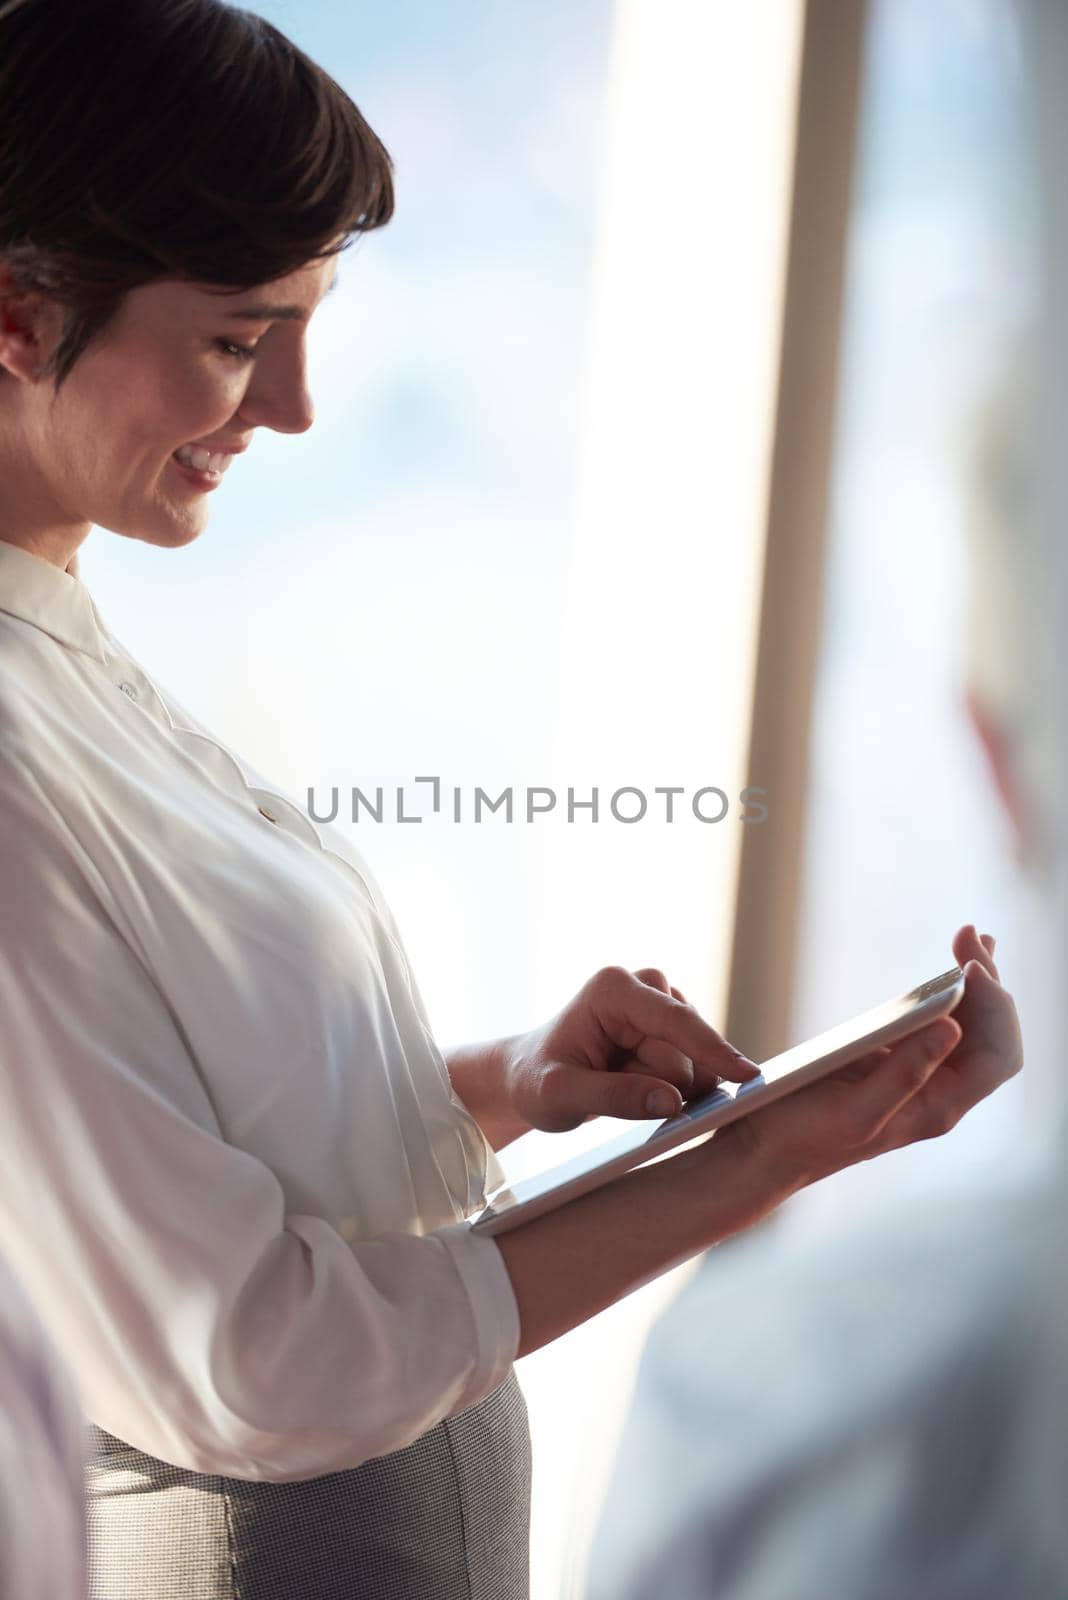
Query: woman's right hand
point(914, 1090)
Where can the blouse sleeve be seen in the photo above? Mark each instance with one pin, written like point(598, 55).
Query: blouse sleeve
point(201, 1321)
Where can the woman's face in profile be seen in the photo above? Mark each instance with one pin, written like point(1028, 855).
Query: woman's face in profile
point(178, 367)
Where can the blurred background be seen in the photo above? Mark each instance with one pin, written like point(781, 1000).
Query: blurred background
point(679, 432)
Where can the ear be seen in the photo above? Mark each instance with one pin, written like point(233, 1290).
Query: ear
point(30, 325)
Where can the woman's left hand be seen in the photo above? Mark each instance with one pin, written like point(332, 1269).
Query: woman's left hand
point(827, 1125)
point(625, 1037)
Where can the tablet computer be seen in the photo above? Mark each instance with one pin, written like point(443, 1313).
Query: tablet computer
point(781, 1075)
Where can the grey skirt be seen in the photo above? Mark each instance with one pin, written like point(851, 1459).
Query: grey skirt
point(446, 1518)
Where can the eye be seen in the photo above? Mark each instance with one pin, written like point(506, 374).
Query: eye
point(237, 352)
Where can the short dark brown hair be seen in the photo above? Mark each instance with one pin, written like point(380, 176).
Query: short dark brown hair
point(188, 139)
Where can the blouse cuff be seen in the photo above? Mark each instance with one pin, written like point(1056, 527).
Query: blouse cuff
point(494, 1311)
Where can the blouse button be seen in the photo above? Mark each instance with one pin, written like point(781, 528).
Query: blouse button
point(267, 814)
point(129, 690)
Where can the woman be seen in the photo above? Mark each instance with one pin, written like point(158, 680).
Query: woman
point(238, 1165)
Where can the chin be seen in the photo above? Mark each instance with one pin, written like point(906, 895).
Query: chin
point(168, 533)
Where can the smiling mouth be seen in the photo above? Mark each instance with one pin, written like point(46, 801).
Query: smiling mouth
point(204, 459)
point(205, 478)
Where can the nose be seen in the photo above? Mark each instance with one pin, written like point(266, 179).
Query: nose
point(279, 400)
point(292, 416)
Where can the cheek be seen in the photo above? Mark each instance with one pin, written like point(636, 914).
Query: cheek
point(193, 405)
point(208, 396)
point(148, 402)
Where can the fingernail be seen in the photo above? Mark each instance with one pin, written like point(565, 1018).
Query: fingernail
point(660, 1103)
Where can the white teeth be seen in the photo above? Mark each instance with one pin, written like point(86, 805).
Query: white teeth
point(203, 460)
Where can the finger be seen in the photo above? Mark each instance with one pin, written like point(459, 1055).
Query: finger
point(659, 1060)
point(654, 978)
point(628, 1011)
point(992, 1049)
point(989, 942)
point(838, 1121)
point(670, 1064)
point(576, 1093)
point(863, 1066)
point(967, 946)
point(990, 1052)
point(992, 1028)
point(704, 1079)
point(902, 1073)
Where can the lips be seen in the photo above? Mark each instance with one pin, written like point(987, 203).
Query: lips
point(203, 480)
point(202, 460)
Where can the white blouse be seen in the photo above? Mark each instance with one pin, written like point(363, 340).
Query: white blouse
point(234, 1170)
point(43, 1536)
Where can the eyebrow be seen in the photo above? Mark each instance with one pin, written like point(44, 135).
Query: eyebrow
point(263, 311)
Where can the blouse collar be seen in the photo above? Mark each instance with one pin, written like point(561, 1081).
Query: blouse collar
point(51, 599)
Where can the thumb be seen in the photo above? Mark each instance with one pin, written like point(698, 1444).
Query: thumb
point(615, 1094)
